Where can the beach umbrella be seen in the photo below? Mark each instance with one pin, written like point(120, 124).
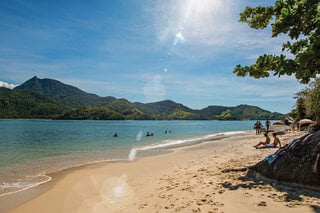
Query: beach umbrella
point(305, 121)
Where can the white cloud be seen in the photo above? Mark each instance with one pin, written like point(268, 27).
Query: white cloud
point(7, 85)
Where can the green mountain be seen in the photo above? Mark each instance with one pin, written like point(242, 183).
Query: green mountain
point(211, 112)
point(168, 110)
point(48, 98)
point(62, 93)
point(245, 112)
point(118, 109)
point(24, 104)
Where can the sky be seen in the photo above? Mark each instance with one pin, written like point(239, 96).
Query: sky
point(143, 50)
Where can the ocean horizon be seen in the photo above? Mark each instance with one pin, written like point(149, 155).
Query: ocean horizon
point(32, 149)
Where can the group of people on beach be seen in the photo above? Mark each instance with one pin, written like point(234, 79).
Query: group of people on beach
point(259, 127)
point(267, 144)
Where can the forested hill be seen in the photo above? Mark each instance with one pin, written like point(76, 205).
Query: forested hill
point(24, 104)
point(61, 93)
point(48, 98)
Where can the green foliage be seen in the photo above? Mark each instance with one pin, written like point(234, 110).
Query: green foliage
point(179, 114)
point(246, 112)
point(211, 112)
point(300, 20)
point(300, 111)
point(168, 110)
point(225, 115)
point(92, 113)
point(313, 101)
point(127, 109)
point(308, 102)
point(22, 104)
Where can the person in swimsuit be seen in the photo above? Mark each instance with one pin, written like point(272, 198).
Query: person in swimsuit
point(267, 141)
point(275, 143)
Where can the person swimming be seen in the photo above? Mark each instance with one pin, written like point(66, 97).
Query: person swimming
point(149, 134)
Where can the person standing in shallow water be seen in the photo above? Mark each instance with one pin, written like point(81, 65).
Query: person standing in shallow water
point(257, 127)
point(267, 124)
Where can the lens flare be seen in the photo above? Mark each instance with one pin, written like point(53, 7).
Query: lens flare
point(179, 38)
point(139, 135)
point(132, 154)
point(111, 194)
point(193, 22)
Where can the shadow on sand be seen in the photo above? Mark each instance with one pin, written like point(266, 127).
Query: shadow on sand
point(288, 193)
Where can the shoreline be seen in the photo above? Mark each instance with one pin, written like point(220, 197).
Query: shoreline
point(160, 148)
point(19, 197)
point(143, 184)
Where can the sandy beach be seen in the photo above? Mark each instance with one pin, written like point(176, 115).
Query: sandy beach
point(208, 177)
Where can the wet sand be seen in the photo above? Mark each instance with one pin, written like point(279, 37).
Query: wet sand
point(208, 177)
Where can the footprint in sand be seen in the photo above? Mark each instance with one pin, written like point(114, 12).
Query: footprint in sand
point(217, 204)
point(141, 206)
point(248, 194)
point(196, 210)
point(294, 204)
point(262, 204)
point(221, 191)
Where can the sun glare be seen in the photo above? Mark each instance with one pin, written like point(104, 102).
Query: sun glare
point(192, 21)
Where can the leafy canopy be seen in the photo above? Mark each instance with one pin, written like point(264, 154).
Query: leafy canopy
point(313, 100)
point(308, 102)
point(300, 20)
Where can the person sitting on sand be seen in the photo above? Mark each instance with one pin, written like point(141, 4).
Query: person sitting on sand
point(267, 141)
point(275, 143)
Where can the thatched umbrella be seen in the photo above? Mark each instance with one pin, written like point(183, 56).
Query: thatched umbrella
point(305, 121)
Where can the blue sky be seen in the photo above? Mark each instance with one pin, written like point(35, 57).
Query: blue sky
point(142, 50)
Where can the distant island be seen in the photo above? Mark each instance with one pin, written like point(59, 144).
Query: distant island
point(52, 99)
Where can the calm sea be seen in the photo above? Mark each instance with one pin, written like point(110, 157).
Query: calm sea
point(30, 149)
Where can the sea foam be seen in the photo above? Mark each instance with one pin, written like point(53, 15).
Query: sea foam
point(8, 188)
point(180, 142)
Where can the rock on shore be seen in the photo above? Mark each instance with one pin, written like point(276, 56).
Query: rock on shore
point(297, 163)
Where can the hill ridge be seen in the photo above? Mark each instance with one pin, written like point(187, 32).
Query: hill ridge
point(74, 103)
point(61, 93)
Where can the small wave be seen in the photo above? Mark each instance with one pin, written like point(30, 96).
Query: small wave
point(181, 142)
point(23, 183)
point(15, 186)
point(7, 188)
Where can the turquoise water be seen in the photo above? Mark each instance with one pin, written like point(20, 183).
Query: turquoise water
point(30, 149)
